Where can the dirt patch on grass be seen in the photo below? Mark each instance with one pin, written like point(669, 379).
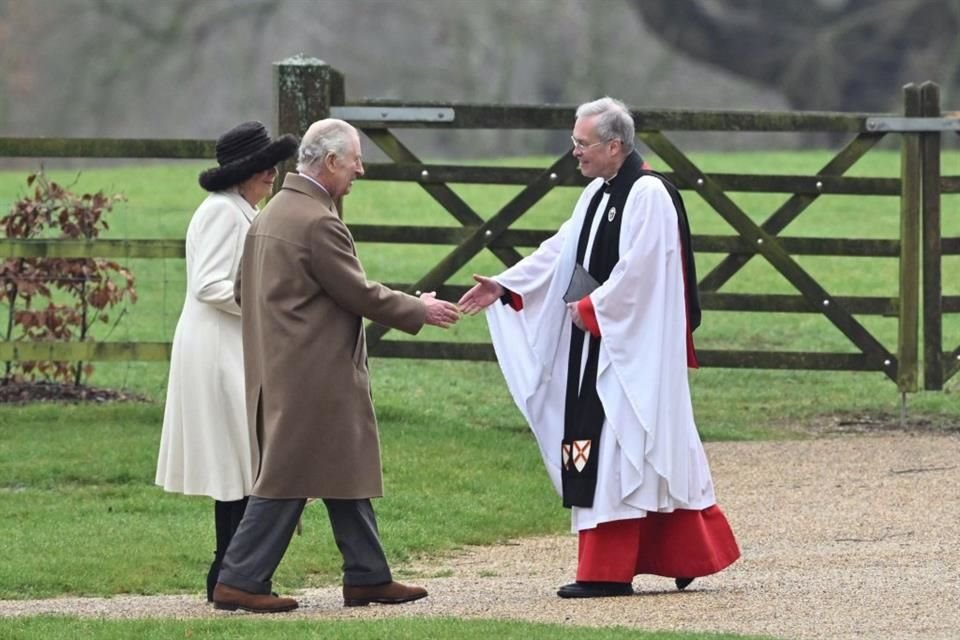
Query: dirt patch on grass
point(24, 392)
point(877, 422)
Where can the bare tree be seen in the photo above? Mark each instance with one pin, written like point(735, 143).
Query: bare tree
point(823, 54)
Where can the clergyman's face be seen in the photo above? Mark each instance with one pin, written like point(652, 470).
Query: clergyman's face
point(598, 158)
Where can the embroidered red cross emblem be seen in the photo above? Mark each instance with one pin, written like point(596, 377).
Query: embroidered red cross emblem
point(581, 452)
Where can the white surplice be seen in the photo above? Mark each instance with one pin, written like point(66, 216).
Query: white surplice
point(651, 456)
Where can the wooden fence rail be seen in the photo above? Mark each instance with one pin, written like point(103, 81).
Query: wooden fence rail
point(307, 90)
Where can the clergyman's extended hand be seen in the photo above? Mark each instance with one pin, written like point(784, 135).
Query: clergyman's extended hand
point(482, 295)
point(440, 313)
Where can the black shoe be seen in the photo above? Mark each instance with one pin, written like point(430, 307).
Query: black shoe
point(595, 589)
point(683, 583)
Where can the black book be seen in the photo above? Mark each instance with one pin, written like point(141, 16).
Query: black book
point(581, 284)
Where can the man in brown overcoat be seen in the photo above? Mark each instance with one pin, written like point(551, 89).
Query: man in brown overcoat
point(303, 295)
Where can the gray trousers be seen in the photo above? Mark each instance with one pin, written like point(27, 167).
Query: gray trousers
point(268, 524)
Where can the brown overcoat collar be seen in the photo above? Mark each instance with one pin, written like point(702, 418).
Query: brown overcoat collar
point(296, 182)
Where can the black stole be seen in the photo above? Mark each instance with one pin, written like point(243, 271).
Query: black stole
point(583, 412)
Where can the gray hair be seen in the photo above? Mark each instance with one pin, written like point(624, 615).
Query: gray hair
point(614, 121)
point(323, 138)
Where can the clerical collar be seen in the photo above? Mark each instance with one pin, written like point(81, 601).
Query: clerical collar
point(315, 182)
point(627, 171)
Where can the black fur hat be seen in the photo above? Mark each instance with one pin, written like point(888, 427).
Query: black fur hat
point(243, 151)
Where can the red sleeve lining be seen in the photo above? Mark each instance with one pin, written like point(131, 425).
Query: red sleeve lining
point(589, 316)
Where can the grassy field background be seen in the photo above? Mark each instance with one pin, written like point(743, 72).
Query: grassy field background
point(78, 510)
point(395, 629)
point(162, 197)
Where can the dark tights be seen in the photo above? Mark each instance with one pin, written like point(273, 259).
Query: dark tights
point(226, 517)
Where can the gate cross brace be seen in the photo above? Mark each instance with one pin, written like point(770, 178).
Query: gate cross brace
point(484, 232)
point(773, 251)
point(791, 209)
point(444, 195)
point(951, 363)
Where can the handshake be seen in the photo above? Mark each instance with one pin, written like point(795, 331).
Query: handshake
point(441, 313)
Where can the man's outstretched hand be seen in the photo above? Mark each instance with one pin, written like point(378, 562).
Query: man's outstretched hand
point(440, 313)
point(482, 295)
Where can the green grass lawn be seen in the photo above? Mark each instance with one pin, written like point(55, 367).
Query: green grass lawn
point(79, 513)
point(395, 629)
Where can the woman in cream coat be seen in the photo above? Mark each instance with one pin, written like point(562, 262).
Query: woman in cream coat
point(206, 447)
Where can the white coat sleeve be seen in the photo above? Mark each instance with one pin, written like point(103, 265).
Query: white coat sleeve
point(216, 258)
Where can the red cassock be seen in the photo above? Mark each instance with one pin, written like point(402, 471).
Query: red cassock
point(681, 544)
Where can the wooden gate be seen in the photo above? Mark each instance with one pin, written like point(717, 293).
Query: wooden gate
point(379, 119)
point(306, 90)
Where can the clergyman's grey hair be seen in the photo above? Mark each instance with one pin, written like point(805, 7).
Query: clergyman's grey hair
point(614, 121)
point(334, 136)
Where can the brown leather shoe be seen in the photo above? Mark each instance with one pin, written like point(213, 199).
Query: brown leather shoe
point(387, 593)
point(230, 599)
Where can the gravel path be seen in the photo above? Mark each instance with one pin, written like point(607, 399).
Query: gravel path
point(842, 537)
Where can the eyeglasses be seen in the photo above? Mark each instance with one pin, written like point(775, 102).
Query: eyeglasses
point(580, 146)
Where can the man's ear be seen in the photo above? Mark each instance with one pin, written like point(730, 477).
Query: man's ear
point(330, 162)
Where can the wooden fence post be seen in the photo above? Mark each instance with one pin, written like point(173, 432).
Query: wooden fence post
point(911, 178)
point(304, 89)
point(932, 250)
